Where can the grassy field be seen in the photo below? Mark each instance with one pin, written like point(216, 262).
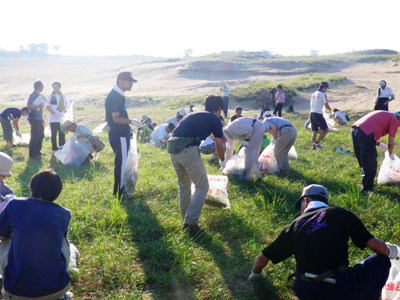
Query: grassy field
point(136, 249)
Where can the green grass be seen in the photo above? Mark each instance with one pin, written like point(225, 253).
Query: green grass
point(136, 250)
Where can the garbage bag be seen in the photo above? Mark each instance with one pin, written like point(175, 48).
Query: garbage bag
point(130, 173)
point(235, 165)
point(293, 153)
point(47, 132)
point(100, 128)
point(390, 170)
point(22, 140)
point(217, 192)
point(72, 153)
point(267, 161)
point(391, 290)
point(207, 146)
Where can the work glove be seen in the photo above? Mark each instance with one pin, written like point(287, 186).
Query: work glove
point(272, 141)
point(18, 133)
point(222, 163)
point(245, 144)
point(392, 156)
point(254, 277)
point(136, 123)
point(392, 250)
point(383, 146)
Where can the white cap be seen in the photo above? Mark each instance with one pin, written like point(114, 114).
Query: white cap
point(6, 163)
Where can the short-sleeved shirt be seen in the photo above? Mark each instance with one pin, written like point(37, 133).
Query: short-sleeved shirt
point(280, 97)
point(36, 266)
point(277, 121)
point(11, 113)
point(34, 113)
point(242, 128)
point(385, 93)
point(160, 132)
point(318, 99)
point(319, 240)
point(379, 123)
point(199, 125)
point(115, 102)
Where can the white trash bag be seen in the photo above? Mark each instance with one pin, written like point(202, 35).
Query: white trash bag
point(267, 161)
point(293, 153)
point(217, 192)
point(235, 165)
point(22, 140)
point(72, 153)
point(130, 173)
point(100, 128)
point(47, 132)
point(390, 170)
point(391, 290)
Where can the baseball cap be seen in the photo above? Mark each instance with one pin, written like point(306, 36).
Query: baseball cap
point(126, 76)
point(314, 190)
point(6, 163)
point(324, 84)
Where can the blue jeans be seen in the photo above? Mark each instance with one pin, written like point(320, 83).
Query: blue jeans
point(362, 282)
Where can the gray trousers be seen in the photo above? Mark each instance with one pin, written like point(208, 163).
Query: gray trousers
point(189, 167)
point(285, 140)
point(7, 129)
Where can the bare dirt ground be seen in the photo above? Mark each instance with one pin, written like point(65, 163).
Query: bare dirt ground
point(86, 78)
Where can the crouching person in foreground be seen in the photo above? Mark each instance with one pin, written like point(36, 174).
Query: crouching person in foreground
point(318, 240)
point(34, 252)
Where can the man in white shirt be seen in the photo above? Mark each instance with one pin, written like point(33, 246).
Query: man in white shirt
point(160, 135)
point(57, 105)
point(318, 122)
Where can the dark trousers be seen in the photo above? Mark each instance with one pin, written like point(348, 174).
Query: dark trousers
point(225, 108)
point(56, 128)
point(37, 135)
point(379, 104)
point(7, 129)
point(365, 151)
point(362, 282)
point(120, 146)
point(278, 109)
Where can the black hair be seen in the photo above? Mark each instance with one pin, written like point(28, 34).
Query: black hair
point(24, 109)
point(214, 103)
point(38, 84)
point(279, 86)
point(171, 126)
point(46, 185)
point(179, 116)
point(238, 108)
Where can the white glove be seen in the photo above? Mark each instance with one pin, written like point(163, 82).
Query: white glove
point(273, 141)
point(392, 156)
point(383, 146)
point(18, 133)
point(245, 144)
point(255, 277)
point(392, 250)
point(222, 163)
point(136, 123)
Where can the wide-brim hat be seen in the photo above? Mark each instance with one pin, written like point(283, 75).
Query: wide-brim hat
point(6, 163)
point(67, 125)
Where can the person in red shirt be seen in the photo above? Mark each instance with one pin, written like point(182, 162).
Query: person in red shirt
point(366, 134)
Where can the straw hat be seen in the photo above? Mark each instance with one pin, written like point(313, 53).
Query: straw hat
point(67, 124)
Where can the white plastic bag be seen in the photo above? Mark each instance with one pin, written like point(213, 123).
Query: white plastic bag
point(72, 153)
point(73, 258)
point(47, 132)
point(217, 192)
point(22, 140)
point(69, 114)
point(391, 290)
point(390, 170)
point(100, 128)
point(130, 173)
point(293, 153)
point(207, 146)
point(235, 165)
point(267, 161)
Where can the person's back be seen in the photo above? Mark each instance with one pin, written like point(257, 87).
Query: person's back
point(35, 230)
point(318, 99)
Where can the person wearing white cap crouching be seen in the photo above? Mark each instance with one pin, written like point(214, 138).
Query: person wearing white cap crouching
point(318, 239)
point(6, 194)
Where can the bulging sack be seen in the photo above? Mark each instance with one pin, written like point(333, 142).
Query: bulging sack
point(293, 153)
point(235, 165)
point(391, 290)
point(389, 171)
point(217, 192)
point(267, 161)
point(72, 153)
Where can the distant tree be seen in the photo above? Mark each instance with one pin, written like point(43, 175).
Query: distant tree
point(187, 52)
point(314, 52)
point(38, 49)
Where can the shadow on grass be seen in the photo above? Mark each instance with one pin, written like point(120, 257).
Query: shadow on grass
point(230, 256)
point(165, 276)
point(31, 168)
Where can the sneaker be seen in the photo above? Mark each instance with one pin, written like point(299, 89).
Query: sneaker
point(317, 145)
point(192, 229)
